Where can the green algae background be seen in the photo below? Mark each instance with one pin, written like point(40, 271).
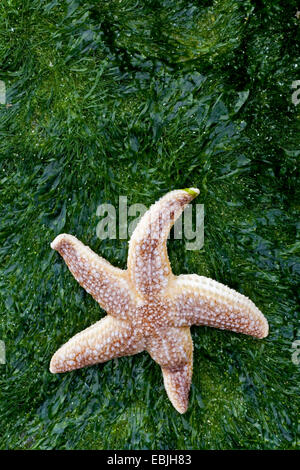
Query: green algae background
point(109, 98)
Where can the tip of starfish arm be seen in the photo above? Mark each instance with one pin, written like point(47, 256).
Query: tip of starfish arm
point(265, 329)
point(180, 404)
point(56, 242)
point(56, 365)
point(59, 239)
point(180, 408)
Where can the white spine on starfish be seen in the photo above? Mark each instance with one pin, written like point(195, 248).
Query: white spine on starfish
point(105, 340)
point(108, 285)
point(148, 262)
point(198, 300)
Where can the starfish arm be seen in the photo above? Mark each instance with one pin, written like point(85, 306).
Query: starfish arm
point(108, 285)
point(105, 340)
point(148, 262)
point(172, 349)
point(198, 300)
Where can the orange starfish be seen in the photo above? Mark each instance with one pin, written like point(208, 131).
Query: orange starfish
point(148, 307)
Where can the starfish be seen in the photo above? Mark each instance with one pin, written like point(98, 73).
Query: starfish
point(148, 307)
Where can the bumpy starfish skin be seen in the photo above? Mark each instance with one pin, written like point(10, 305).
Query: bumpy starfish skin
point(148, 307)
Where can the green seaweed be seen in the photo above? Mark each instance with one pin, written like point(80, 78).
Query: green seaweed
point(137, 98)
